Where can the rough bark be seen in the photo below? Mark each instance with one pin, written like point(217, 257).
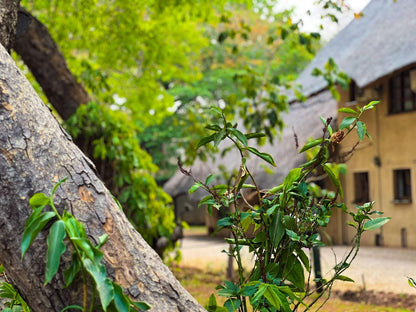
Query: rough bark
point(41, 55)
point(8, 20)
point(35, 152)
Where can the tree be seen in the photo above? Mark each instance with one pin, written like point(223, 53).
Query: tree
point(35, 152)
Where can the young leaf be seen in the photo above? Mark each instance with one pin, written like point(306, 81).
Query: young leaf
point(57, 185)
point(239, 135)
point(56, 248)
point(291, 177)
point(103, 284)
point(347, 122)
point(254, 135)
point(39, 200)
point(209, 179)
point(33, 228)
point(143, 306)
point(73, 269)
point(120, 300)
point(263, 156)
point(344, 278)
point(271, 296)
point(334, 179)
point(375, 223)
point(348, 110)
point(311, 144)
point(205, 140)
point(194, 188)
point(361, 130)
point(73, 307)
point(370, 105)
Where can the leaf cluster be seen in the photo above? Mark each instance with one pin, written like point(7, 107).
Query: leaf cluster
point(86, 258)
point(284, 221)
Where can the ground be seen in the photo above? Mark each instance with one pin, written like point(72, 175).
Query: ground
point(380, 274)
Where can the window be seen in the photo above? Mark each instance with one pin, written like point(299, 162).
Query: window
point(361, 187)
point(402, 95)
point(355, 91)
point(402, 186)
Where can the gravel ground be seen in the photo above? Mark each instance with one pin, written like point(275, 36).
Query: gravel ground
point(375, 268)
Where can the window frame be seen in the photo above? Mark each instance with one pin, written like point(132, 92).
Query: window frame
point(402, 98)
point(361, 181)
point(402, 186)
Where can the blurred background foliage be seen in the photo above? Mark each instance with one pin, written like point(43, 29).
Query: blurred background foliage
point(153, 68)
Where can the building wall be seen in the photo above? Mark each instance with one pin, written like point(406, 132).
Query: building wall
point(391, 148)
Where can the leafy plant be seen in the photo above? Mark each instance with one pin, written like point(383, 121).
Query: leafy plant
point(86, 258)
point(284, 223)
point(16, 303)
point(127, 170)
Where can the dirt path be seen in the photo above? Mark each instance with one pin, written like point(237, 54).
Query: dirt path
point(375, 268)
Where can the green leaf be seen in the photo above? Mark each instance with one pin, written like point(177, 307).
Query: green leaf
point(56, 248)
point(296, 273)
point(85, 246)
point(194, 187)
point(208, 200)
point(73, 269)
point(347, 122)
point(205, 140)
point(73, 227)
point(141, 305)
point(291, 177)
point(102, 240)
point(39, 200)
point(232, 305)
point(209, 179)
point(239, 135)
point(103, 284)
point(33, 227)
point(370, 105)
point(212, 304)
point(277, 229)
point(334, 179)
point(348, 110)
point(57, 185)
point(263, 156)
point(375, 223)
point(361, 129)
point(73, 307)
point(344, 278)
point(120, 300)
point(271, 296)
point(411, 282)
point(311, 144)
point(254, 135)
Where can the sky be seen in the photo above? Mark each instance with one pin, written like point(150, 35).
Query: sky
point(312, 22)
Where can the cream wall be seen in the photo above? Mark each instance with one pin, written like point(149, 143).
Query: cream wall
point(394, 138)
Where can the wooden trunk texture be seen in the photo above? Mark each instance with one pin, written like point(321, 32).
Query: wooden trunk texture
point(35, 153)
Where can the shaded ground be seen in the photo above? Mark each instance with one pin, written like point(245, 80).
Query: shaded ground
point(388, 299)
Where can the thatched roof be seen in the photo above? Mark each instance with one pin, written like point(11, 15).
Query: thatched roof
point(302, 119)
point(381, 42)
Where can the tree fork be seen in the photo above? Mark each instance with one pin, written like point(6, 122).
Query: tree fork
point(35, 152)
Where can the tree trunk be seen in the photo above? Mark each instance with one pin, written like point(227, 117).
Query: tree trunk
point(35, 152)
point(41, 55)
point(8, 20)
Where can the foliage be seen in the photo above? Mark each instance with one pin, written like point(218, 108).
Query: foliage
point(16, 303)
point(253, 56)
point(285, 222)
point(86, 258)
point(126, 169)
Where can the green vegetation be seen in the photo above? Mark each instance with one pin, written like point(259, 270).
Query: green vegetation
point(86, 258)
point(285, 221)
